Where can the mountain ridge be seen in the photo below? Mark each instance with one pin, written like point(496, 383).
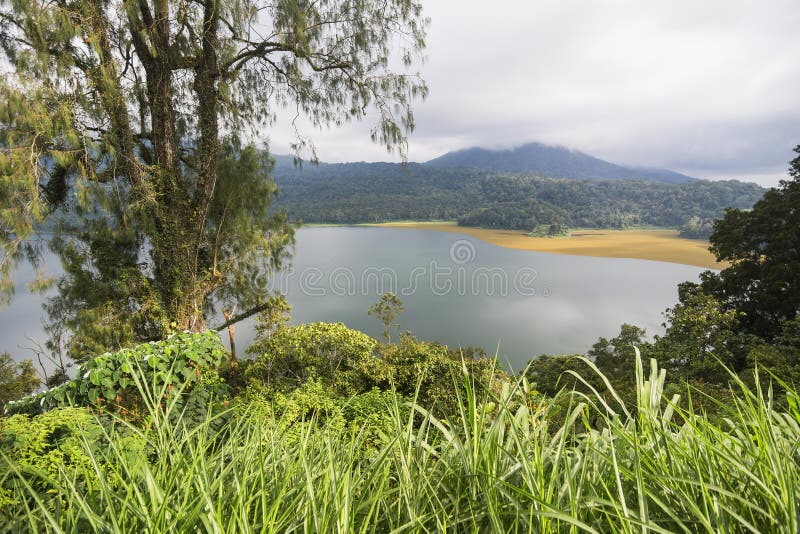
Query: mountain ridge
point(539, 159)
point(552, 162)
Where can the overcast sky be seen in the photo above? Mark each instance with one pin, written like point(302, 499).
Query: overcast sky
point(705, 87)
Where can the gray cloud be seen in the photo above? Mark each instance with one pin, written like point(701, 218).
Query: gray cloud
point(708, 88)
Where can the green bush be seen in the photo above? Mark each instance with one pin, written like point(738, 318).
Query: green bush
point(185, 364)
point(340, 358)
point(365, 417)
point(433, 373)
point(348, 362)
point(48, 447)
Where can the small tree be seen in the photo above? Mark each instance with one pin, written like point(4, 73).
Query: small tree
point(268, 322)
point(386, 310)
point(699, 335)
point(616, 357)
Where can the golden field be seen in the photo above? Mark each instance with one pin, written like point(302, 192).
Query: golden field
point(656, 244)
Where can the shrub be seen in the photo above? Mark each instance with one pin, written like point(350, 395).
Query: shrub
point(433, 373)
point(340, 358)
point(348, 362)
point(48, 447)
point(185, 364)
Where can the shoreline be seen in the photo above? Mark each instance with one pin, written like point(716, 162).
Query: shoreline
point(642, 244)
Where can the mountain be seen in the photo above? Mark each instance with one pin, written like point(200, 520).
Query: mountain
point(552, 162)
point(376, 192)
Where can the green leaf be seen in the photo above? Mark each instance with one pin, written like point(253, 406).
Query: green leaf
point(95, 376)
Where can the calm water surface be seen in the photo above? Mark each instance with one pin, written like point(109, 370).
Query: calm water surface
point(456, 290)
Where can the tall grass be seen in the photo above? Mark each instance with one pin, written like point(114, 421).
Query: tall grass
point(497, 466)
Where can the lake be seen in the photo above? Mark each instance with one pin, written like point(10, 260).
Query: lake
point(456, 289)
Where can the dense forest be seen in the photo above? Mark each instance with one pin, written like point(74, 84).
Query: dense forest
point(378, 192)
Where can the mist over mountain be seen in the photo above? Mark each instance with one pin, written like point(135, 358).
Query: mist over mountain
point(532, 158)
point(552, 162)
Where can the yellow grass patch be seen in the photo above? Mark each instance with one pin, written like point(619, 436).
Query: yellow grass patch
point(658, 245)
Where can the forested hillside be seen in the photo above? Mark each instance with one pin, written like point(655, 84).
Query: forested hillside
point(376, 192)
point(553, 161)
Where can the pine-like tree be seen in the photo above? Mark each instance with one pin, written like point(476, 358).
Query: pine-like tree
point(123, 122)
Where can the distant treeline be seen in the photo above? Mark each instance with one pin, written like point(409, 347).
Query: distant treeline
point(377, 192)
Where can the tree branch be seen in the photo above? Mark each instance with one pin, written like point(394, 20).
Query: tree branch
point(242, 316)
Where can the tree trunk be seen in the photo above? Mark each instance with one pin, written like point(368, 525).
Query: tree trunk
point(231, 332)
